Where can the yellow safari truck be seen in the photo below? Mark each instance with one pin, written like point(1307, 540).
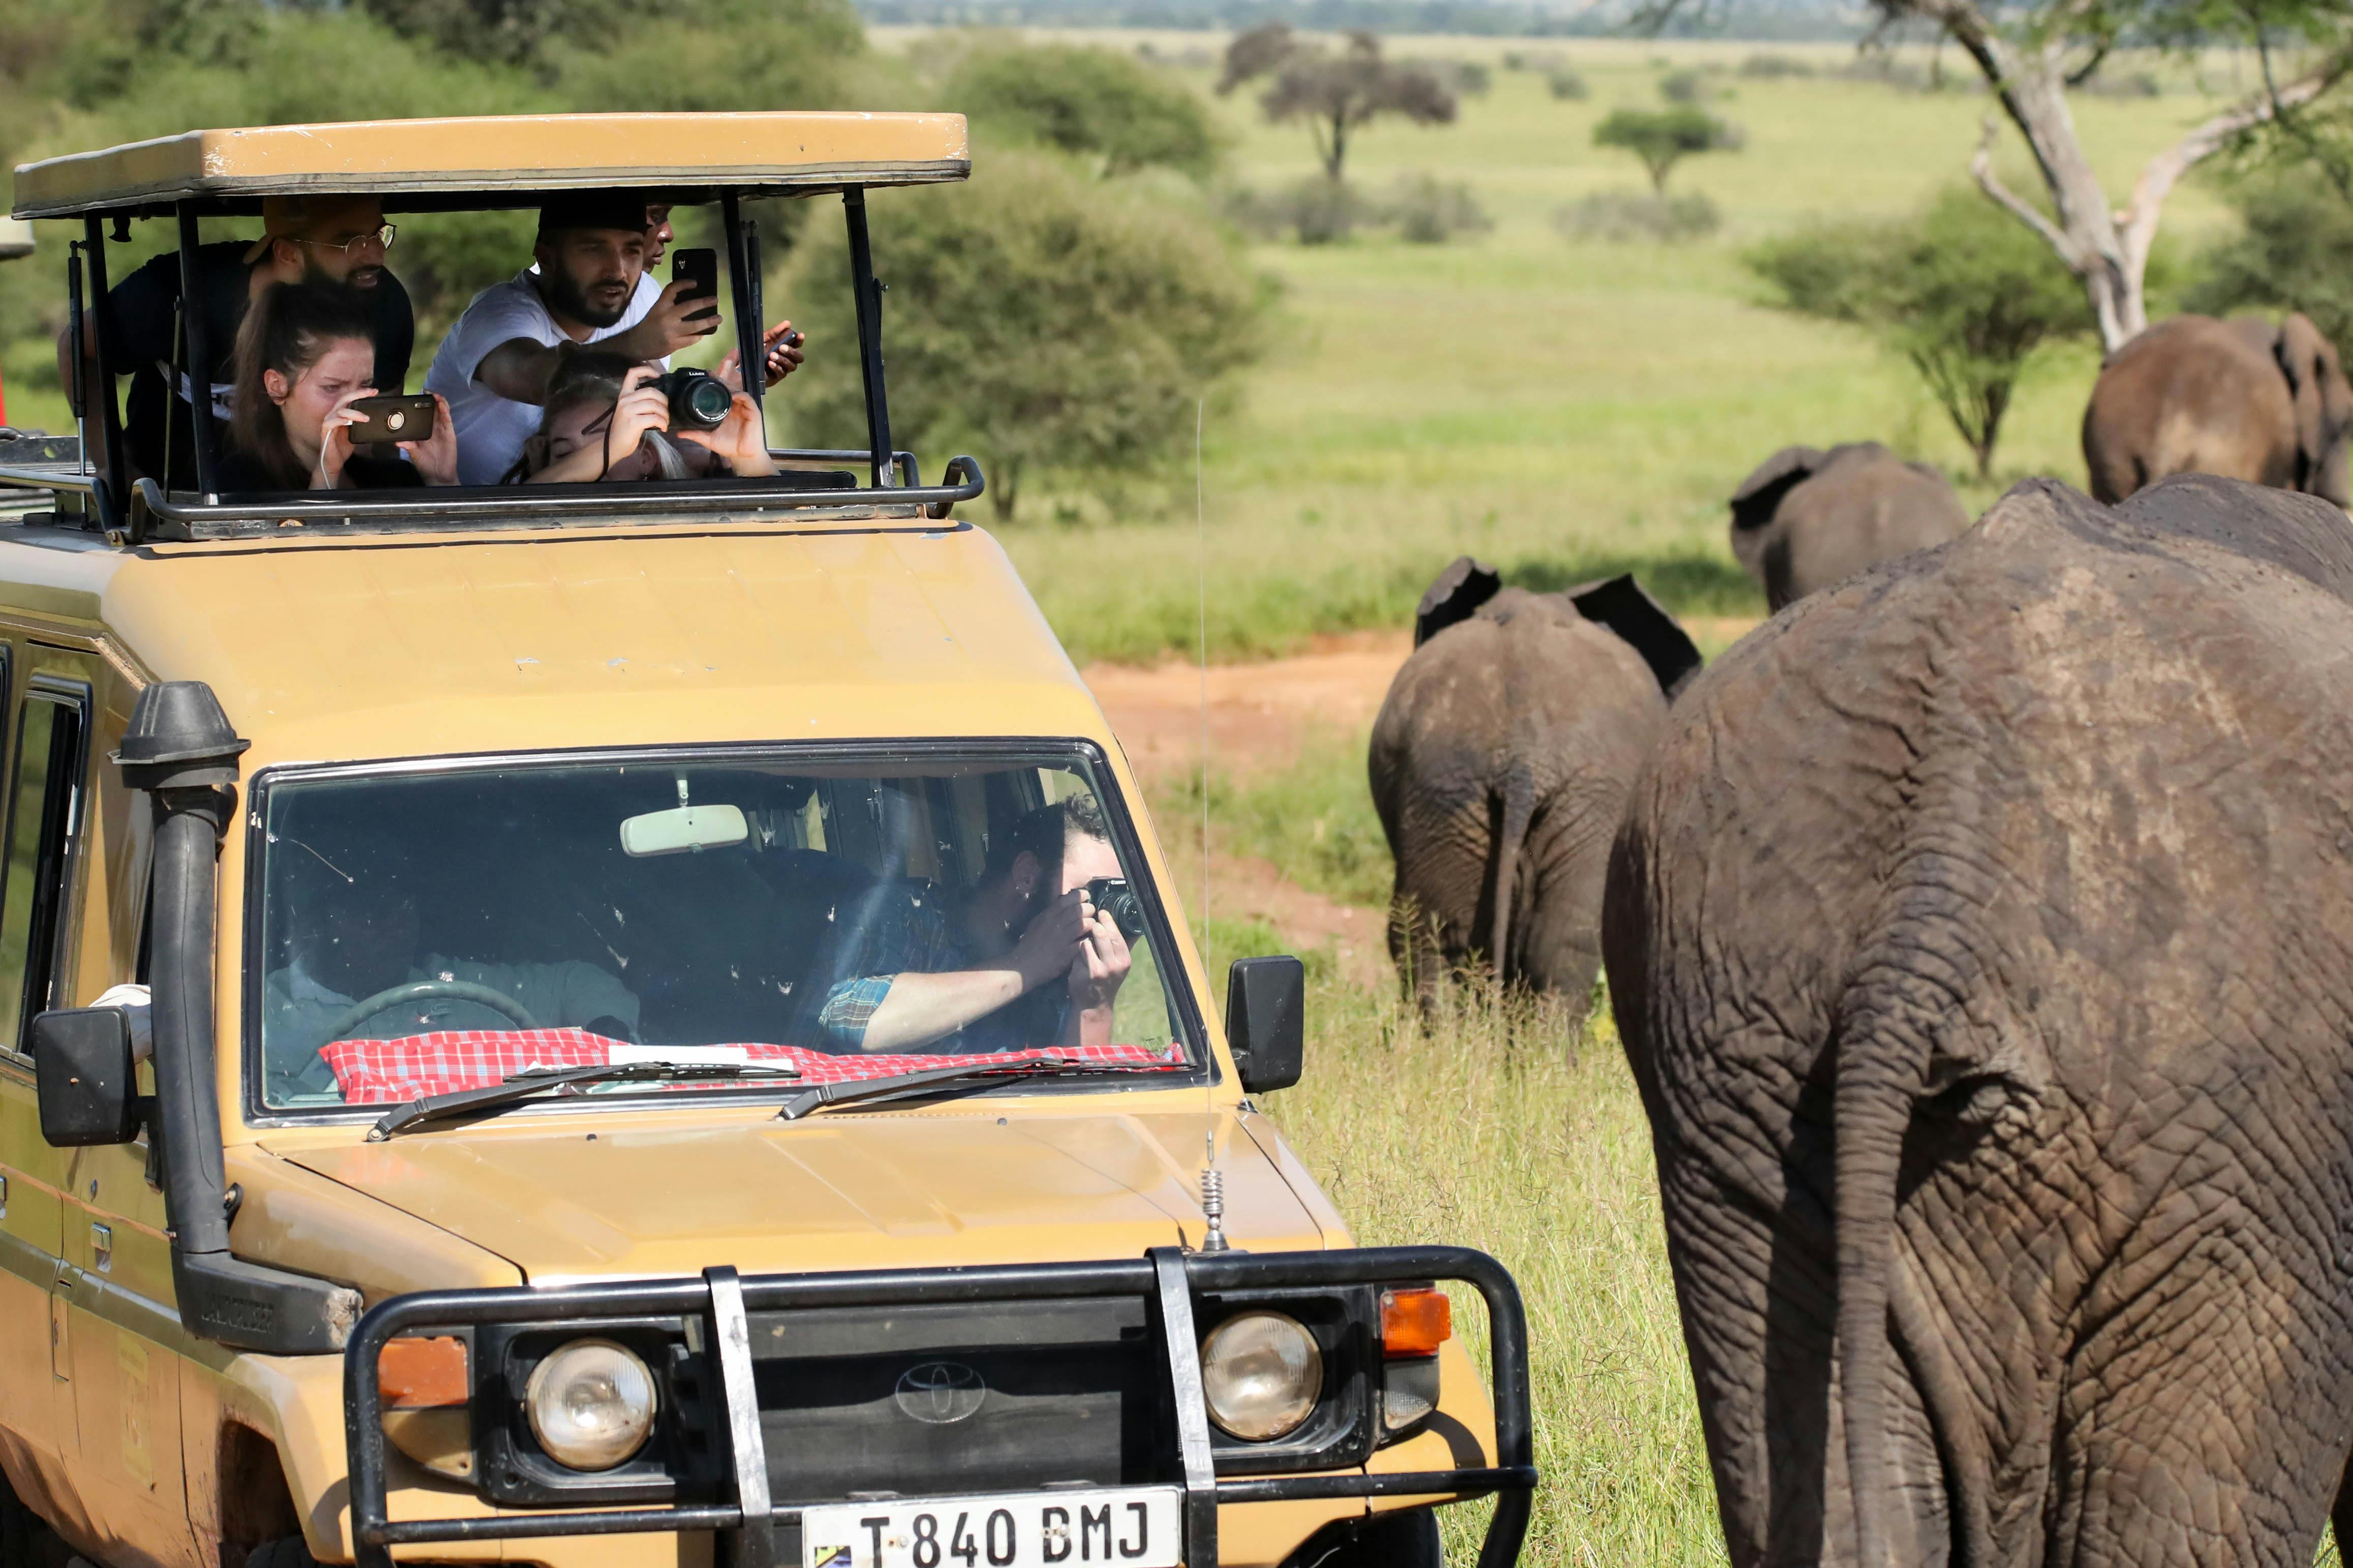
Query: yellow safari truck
point(445, 941)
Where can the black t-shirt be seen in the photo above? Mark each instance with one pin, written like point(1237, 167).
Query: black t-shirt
point(145, 305)
point(238, 472)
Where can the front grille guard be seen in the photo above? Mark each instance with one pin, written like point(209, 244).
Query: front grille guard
point(1167, 1276)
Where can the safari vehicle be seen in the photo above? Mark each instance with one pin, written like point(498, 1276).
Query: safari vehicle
point(362, 1271)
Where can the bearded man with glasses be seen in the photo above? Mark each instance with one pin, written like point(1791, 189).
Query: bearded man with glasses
point(316, 239)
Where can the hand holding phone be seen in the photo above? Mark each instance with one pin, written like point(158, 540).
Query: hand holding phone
point(392, 420)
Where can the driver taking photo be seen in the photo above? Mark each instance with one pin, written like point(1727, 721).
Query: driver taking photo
point(1019, 960)
point(357, 973)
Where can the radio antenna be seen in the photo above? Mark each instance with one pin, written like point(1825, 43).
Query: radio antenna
point(1213, 1184)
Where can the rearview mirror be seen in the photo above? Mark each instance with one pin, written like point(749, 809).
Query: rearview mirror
point(1266, 1021)
point(684, 828)
point(84, 1074)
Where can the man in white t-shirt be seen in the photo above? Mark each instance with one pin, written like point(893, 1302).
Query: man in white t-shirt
point(588, 286)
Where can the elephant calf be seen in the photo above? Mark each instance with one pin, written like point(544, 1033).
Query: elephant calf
point(1980, 933)
point(1499, 761)
point(2192, 394)
point(1806, 518)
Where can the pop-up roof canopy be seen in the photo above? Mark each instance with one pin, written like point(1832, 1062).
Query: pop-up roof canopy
point(470, 162)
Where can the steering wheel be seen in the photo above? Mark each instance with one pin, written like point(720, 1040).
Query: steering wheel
point(415, 990)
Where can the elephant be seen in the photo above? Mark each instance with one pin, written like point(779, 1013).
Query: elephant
point(1980, 936)
point(2192, 394)
point(1498, 763)
point(1805, 518)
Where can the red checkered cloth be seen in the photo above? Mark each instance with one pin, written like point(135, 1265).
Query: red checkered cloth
point(372, 1073)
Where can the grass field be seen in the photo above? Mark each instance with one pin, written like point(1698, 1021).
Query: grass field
point(1560, 408)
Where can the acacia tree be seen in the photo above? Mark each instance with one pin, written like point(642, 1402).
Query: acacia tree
point(1333, 93)
point(1662, 138)
point(2033, 51)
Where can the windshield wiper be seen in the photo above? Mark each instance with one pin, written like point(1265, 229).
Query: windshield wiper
point(522, 1085)
point(852, 1091)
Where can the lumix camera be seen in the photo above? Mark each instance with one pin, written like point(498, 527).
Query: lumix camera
point(1116, 898)
point(697, 399)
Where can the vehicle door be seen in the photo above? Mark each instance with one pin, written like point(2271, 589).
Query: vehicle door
point(36, 1411)
point(120, 1326)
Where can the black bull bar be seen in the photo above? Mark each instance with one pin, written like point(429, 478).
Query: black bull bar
point(1167, 1276)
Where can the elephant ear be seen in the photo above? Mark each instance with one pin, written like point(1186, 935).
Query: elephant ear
point(1760, 495)
point(2303, 358)
point(1625, 607)
point(1455, 596)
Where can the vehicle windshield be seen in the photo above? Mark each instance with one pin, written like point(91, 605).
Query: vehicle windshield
point(419, 933)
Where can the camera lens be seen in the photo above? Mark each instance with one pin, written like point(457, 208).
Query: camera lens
point(697, 399)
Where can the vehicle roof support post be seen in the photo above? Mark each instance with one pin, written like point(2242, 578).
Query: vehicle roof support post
point(200, 365)
point(743, 290)
point(181, 750)
point(74, 327)
point(868, 293)
point(112, 488)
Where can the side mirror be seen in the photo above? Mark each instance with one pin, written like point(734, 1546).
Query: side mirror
point(88, 1082)
point(1266, 1021)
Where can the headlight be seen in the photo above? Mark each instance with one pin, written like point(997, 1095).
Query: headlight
point(591, 1404)
point(1262, 1375)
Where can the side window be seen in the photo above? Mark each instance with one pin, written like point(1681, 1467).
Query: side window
point(45, 805)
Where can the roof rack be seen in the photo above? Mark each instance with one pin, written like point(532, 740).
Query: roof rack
point(449, 165)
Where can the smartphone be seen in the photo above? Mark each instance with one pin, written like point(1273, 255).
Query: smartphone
point(393, 419)
point(700, 268)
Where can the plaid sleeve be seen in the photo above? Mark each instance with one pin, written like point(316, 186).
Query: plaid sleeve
point(848, 1006)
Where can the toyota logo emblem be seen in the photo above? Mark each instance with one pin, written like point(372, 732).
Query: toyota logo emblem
point(940, 1392)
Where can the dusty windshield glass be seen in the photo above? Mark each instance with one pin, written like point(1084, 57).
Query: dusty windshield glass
point(421, 933)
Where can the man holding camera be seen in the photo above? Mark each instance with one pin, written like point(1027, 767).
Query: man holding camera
point(587, 285)
point(1020, 960)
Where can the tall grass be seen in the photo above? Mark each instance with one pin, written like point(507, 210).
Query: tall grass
point(1496, 1129)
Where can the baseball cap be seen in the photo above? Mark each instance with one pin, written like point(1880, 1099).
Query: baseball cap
point(593, 209)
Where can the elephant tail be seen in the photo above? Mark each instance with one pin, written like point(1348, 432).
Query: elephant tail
point(1872, 1109)
point(1519, 809)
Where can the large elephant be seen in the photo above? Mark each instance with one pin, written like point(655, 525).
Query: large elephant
point(1499, 763)
point(2192, 394)
point(1805, 518)
point(1981, 937)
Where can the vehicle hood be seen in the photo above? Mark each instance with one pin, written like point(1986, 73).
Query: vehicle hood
point(841, 1192)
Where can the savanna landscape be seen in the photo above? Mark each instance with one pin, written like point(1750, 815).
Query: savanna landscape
point(1565, 406)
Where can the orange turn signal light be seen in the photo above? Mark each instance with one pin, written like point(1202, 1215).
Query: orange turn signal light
point(1415, 1320)
point(423, 1373)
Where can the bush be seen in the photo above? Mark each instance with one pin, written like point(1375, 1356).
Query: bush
point(1662, 138)
point(1042, 319)
point(1568, 86)
point(1877, 65)
point(2290, 255)
point(1683, 87)
point(1312, 210)
point(1464, 78)
point(1092, 102)
point(1429, 211)
point(1772, 67)
point(1620, 216)
point(2140, 84)
point(1964, 291)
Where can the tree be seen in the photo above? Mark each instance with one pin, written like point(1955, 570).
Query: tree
point(1961, 293)
point(2291, 255)
point(1095, 103)
point(1662, 138)
point(1333, 93)
point(2032, 52)
point(1041, 319)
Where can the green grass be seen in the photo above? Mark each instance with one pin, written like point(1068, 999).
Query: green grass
point(1507, 1134)
point(1561, 409)
point(1313, 818)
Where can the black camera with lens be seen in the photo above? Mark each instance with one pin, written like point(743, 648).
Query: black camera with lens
point(1116, 898)
point(697, 399)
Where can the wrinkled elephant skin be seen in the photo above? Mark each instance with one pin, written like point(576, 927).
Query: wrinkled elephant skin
point(1980, 933)
point(2237, 398)
point(1805, 518)
point(1499, 763)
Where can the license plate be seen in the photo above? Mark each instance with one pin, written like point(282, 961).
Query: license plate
point(1126, 1527)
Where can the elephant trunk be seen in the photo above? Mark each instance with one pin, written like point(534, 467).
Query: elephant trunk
point(1872, 1108)
point(1519, 808)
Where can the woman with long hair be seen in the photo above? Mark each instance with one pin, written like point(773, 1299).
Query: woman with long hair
point(605, 419)
point(305, 354)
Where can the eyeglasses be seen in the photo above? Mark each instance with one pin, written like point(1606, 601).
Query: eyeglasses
point(382, 237)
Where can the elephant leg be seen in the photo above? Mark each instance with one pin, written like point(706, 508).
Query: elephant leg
point(2340, 1517)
